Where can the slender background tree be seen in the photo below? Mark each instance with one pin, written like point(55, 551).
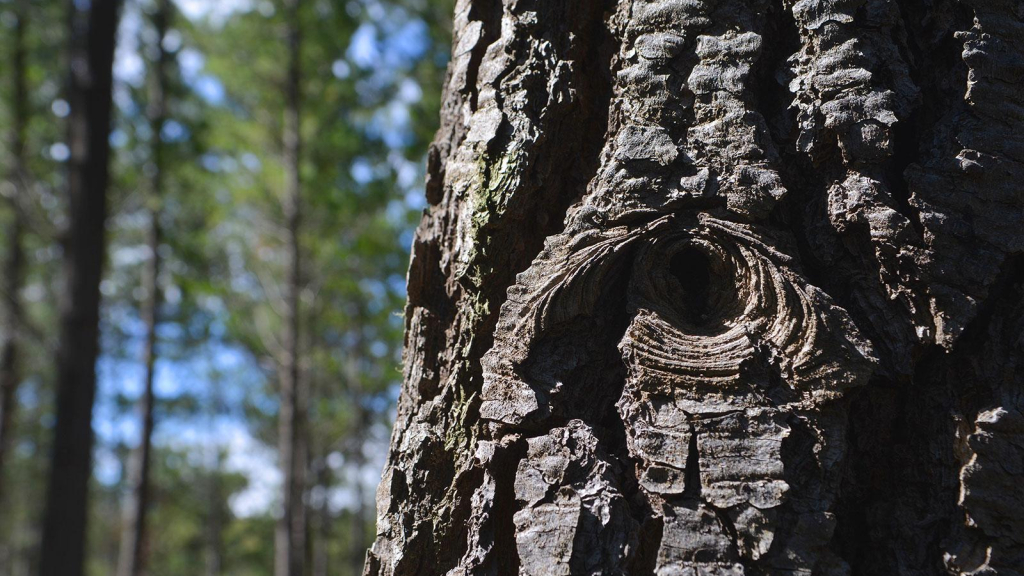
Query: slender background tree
point(133, 537)
point(93, 36)
point(293, 445)
point(14, 266)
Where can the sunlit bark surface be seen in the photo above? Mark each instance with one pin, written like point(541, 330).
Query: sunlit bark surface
point(717, 287)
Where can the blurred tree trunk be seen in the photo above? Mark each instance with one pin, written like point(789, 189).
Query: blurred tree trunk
point(93, 37)
point(320, 436)
point(722, 287)
point(359, 513)
point(131, 559)
point(290, 538)
point(321, 546)
point(14, 266)
point(214, 529)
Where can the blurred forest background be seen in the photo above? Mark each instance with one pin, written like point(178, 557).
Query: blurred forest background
point(266, 168)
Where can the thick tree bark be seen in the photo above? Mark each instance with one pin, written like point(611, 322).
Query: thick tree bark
point(717, 287)
point(290, 536)
point(131, 558)
point(89, 94)
point(14, 267)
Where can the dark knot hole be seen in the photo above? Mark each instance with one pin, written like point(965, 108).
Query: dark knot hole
point(692, 268)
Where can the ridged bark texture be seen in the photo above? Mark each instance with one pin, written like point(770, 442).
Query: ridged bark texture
point(717, 287)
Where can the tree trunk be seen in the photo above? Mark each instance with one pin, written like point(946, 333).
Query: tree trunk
point(214, 529)
point(290, 537)
point(717, 287)
point(321, 554)
point(14, 267)
point(131, 558)
point(89, 94)
point(360, 514)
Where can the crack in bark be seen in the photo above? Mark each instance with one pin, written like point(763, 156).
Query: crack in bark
point(489, 18)
point(692, 490)
point(729, 528)
point(506, 555)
